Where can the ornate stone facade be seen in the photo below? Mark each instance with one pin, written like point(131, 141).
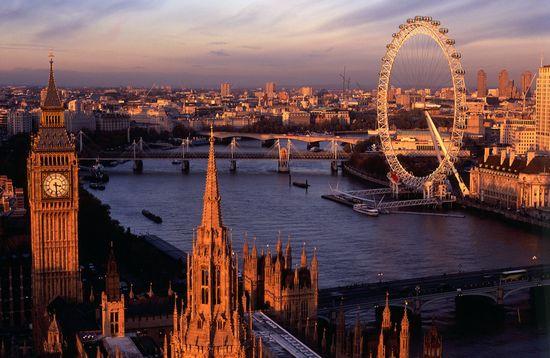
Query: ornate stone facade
point(270, 282)
point(52, 173)
point(210, 324)
point(509, 181)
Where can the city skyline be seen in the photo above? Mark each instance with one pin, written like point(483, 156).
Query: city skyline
point(248, 43)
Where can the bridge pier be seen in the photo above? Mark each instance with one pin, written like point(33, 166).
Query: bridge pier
point(283, 167)
point(138, 166)
point(500, 295)
point(334, 167)
point(185, 166)
point(284, 158)
point(232, 165)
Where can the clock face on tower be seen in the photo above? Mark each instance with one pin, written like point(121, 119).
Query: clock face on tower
point(56, 185)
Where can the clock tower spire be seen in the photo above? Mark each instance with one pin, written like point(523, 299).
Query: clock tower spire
point(52, 176)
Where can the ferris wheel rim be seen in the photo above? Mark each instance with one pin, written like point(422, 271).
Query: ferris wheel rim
point(413, 27)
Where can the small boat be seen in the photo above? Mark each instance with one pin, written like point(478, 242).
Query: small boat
point(300, 184)
point(361, 208)
point(149, 215)
point(98, 174)
point(176, 162)
point(97, 186)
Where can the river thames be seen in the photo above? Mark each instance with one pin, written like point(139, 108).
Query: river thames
point(259, 202)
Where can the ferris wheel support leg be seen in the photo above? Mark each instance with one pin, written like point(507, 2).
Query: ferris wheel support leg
point(433, 129)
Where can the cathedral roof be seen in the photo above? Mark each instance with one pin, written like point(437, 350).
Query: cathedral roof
point(211, 211)
point(52, 100)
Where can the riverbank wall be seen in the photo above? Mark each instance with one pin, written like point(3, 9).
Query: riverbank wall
point(511, 215)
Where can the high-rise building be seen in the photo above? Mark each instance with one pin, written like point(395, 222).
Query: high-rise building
point(270, 89)
point(526, 78)
point(52, 175)
point(542, 110)
point(211, 323)
point(225, 89)
point(481, 83)
point(503, 84)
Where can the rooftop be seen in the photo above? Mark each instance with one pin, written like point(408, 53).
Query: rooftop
point(277, 340)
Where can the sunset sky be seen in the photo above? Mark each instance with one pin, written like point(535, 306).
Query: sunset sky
point(292, 42)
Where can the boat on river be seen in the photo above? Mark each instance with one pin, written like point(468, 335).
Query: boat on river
point(149, 215)
point(363, 209)
point(300, 184)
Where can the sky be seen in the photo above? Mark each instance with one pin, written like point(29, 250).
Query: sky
point(200, 43)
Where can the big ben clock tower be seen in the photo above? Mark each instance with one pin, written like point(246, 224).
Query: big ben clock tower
point(52, 173)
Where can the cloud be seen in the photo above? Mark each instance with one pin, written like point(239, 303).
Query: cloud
point(218, 43)
point(220, 52)
point(250, 47)
point(55, 18)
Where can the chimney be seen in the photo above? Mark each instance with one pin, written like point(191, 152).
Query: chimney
point(530, 156)
point(512, 157)
point(486, 153)
point(502, 156)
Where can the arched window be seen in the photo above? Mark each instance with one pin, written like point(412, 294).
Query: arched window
point(304, 310)
point(218, 299)
point(204, 286)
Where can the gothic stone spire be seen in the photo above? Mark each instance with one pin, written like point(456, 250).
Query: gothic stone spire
point(211, 212)
point(52, 100)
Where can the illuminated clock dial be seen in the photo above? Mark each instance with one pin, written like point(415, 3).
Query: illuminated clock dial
point(56, 185)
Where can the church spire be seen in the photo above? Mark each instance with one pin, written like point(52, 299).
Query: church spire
point(52, 101)
point(211, 213)
point(386, 314)
point(112, 284)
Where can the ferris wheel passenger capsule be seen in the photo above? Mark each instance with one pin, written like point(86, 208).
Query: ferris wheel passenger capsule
point(436, 23)
point(450, 42)
point(460, 71)
point(410, 21)
point(443, 30)
point(456, 55)
point(418, 18)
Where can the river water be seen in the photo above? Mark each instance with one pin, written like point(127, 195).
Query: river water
point(351, 248)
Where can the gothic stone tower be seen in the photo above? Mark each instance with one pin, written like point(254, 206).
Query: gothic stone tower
point(211, 323)
point(52, 175)
point(112, 301)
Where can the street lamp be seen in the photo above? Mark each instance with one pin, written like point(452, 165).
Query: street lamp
point(380, 277)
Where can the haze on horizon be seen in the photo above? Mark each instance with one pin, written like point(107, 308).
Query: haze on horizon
point(195, 43)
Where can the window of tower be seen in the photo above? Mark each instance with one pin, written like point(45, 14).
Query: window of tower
point(304, 310)
point(218, 287)
point(204, 286)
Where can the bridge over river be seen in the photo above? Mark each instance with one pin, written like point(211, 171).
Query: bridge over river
point(421, 293)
